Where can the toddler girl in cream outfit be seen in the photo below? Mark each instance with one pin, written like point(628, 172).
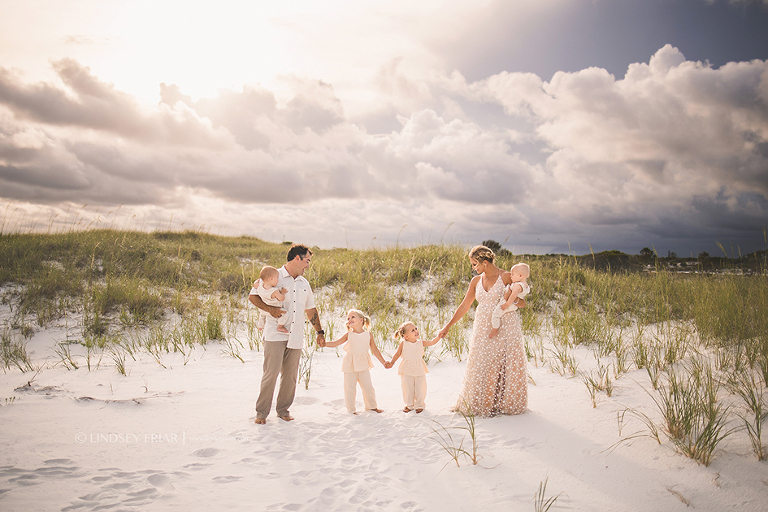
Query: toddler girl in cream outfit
point(413, 370)
point(357, 363)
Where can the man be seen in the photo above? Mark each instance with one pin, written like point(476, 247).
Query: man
point(282, 351)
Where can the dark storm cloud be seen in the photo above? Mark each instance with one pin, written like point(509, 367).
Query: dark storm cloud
point(55, 177)
point(557, 35)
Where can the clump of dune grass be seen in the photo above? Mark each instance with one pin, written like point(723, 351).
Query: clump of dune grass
point(452, 439)
point(746, 385)
point(542, 503)
point(693, 417)
point(13, 352)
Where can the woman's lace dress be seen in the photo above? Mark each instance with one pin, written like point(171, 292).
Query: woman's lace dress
point(495, 381)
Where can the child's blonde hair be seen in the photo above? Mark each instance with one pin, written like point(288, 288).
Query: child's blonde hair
point(267, 272)
point(366, 318)
point(400, 331)
point(523, 268)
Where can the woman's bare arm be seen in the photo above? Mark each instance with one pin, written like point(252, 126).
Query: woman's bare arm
point(469, 298)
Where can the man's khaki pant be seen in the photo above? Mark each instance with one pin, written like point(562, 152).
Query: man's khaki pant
point(283, 361)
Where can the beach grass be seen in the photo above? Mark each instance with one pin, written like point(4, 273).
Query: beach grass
point(123, 293)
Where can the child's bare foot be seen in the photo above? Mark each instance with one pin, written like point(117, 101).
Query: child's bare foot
point(376, 410)
point(281, 328)
point(493, 333)
point(407, 409)
point(419, 410)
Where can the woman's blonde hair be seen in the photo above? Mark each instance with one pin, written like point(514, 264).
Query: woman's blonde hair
point(400, 331)
point(482, 253)
point(366, 318)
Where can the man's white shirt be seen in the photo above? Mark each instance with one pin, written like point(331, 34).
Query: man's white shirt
point(298, 299)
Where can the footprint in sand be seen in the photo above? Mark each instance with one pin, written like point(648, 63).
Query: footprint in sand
point(143, 497)
point(119, 486)
point(58, 461)
point(205, 452)
point(26, 480)
point(226, 479)
point(197, 466)
point(159, 480)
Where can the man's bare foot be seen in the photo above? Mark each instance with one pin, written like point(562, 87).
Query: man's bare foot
point(376, 410)
point(493, 333)
point(287, 417)
point(419, 410)
point(281, 328)
point(407, 409)
point(261, 421)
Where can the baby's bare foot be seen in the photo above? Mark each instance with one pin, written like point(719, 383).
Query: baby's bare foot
point(280, 328)
point(493, 333)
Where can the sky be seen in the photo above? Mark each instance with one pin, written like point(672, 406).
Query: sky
point(555, 126)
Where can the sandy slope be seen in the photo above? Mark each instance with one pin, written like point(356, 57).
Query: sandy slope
point(183, 438)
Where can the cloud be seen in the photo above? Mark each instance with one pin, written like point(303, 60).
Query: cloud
point(89, 103)
point(674, 146)
point(671, 130)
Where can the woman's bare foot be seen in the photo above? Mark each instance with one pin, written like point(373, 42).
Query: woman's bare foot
point(419, 410)
point(376, 410)
point(407, 409)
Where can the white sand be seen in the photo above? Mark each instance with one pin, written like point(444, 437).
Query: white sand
point(183, 438)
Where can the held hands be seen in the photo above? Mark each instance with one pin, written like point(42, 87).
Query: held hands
point(320, 340)
point(388, 364)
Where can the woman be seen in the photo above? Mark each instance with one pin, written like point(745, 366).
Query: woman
point(495, 378)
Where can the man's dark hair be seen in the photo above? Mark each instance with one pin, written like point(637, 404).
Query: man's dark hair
point(298, 250)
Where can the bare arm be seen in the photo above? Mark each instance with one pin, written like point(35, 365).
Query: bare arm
point(469, 298)
point(314, 319)
point(506, 278)
point(516, 288)
point(431, 342)
point(280, 294)
point(259, 303)
point(397, 353)
point(375, 351)
point(338, 342)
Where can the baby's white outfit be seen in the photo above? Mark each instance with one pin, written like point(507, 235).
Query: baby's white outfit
point(266, 296)
point(498, 312)
point(356, 366)
point(413, 374)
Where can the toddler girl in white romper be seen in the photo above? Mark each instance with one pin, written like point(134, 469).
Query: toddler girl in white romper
point(413, 370)
point(357, 363)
